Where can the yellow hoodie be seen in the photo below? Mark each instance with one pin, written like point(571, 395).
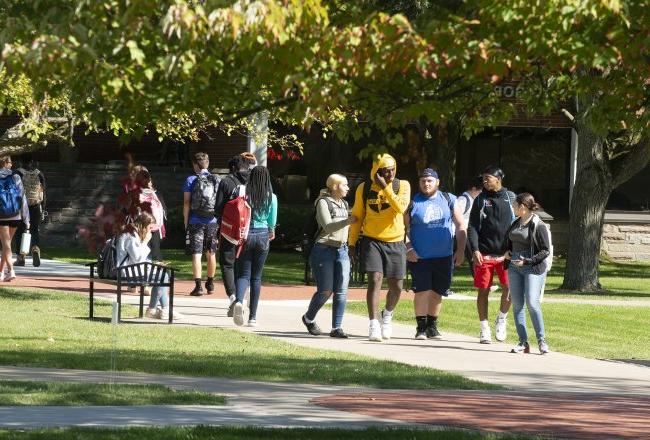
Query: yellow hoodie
point(384, 219)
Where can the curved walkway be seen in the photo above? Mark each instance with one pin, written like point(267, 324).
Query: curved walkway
point(576, 416)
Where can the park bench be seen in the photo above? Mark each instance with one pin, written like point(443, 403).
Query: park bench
point(145, 274)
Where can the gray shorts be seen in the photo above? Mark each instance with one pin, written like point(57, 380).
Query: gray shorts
point(384, 257)
point(200, 238)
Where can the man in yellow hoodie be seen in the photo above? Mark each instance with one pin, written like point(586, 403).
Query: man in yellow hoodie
point(380, 204)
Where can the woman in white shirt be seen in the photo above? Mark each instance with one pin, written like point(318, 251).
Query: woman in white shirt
point(132, 248)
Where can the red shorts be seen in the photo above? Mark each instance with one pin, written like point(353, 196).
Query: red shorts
point(484, 273)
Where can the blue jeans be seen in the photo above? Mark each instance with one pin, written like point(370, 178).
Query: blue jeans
point(159, 294)
point(250, 266)
point(331, 269)
point(526, 289)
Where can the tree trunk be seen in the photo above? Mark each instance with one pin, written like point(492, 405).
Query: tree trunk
point(598, 173)
point(590, 194)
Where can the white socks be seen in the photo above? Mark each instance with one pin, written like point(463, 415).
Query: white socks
point(502, 315)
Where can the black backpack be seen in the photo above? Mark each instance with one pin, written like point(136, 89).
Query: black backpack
point(107, 260)
point(204, 195)
point(311, 229)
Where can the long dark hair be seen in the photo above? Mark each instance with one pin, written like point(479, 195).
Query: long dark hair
point(258, 188)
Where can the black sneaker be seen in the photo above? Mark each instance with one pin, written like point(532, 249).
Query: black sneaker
point(312, 327)
point(338, 333)
point(433, 333)
point(420, 335)
point(36, 257)
point(198, 291)
point(209, 286)
point(20, 261)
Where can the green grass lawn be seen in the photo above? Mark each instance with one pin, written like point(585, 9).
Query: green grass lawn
point(620, 280)
point(49, 329)
point(22, 393)
point(604, 332)
point(228, 433)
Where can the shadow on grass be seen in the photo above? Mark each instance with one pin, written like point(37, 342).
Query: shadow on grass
point(240, 364)
point(23, 295)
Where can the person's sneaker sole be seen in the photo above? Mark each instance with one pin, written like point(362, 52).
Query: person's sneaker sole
point(421, 336)
point(238, 314)
point(375, 339)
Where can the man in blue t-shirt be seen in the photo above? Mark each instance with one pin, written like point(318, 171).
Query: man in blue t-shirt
point(430, 224)
point(201, 230)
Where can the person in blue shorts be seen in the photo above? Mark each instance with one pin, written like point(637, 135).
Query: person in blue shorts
point(430, 222)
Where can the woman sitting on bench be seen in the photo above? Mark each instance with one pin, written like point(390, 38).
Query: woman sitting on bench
point(133, 248)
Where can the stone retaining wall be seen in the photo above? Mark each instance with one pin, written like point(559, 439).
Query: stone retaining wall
point(626, 241)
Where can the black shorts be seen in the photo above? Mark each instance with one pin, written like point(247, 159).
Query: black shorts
point(201, 238)
point(11, 223)
point(432, 274)
point(388, 258)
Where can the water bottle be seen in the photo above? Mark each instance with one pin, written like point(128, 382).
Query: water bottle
point(25, 242)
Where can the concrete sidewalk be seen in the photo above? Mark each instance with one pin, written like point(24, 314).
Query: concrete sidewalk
point(493, 363)
point(250, 403)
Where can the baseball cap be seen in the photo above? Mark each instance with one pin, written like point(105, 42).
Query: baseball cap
point(429, 172)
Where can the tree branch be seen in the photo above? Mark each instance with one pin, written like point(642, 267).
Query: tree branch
point(625, 166)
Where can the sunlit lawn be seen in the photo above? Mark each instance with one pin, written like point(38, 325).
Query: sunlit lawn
point(49, 329)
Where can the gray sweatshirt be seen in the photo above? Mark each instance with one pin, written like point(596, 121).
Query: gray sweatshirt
point(334, 225)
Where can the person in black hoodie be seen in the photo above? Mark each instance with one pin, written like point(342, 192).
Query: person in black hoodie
point(491, 216)
point(528, 246)
point(239, 171)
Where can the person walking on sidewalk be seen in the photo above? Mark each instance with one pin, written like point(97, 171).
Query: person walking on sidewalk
point(13, 211)
point(199, 199)
point(152, 202)
point(239, 168)
point(380, 203)
point(250, 265)
point(430, 223)
point(34, 186)
point(329, 257)
point(528, 245)
point(489, 221)
point(465, 202)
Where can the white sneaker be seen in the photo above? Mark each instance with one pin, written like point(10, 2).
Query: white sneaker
point(543, 347)
point(238, 314)
point(2, 276)
point(252, 322)
point(150, 313)
point(500, 329)
point(164, 314)
point(494, 287)
point(11, 276)
point(486, 336)
point(386, 325)
point(375, 331)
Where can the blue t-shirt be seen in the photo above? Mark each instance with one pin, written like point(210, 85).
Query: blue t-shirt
point(187, 188)
point(432, 226)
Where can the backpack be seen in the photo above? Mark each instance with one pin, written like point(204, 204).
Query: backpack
point(311, 228)
point(156, 207)
point(236, 217)
point(11, 198)
point(107, 260)
point(368, 184)
point(468, 204)
point(33, 187)
point(204, 195)
point(548, 261)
